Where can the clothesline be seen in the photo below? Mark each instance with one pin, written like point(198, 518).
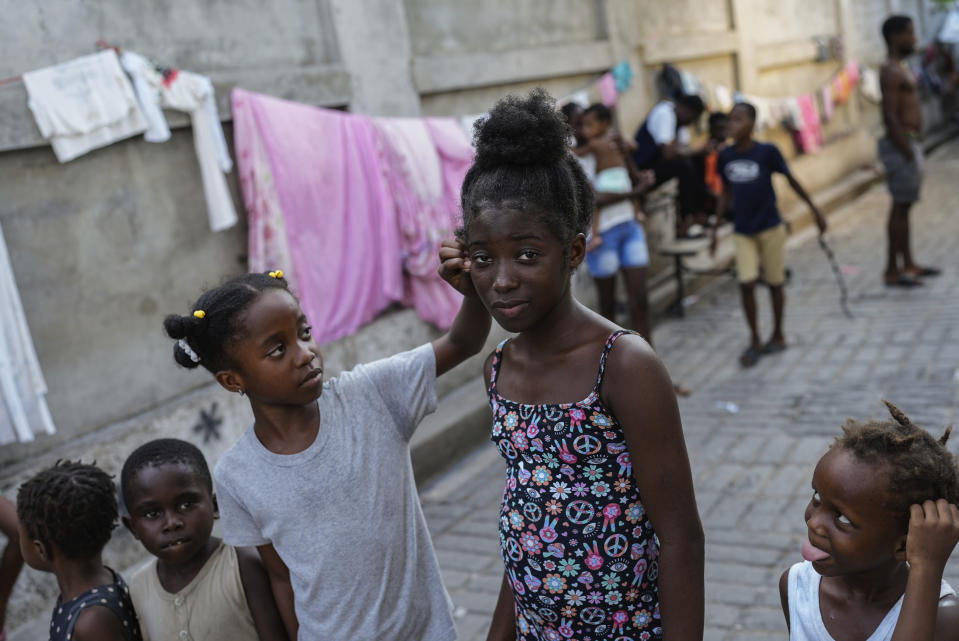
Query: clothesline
point(100, 45)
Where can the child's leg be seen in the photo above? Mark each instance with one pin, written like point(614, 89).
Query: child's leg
point(747, 270)
point(603, 265)
point(606, 292)
point(634, 257)
point(779, 301)
point(772, 247)
point(898, 230)
point(747, 292)
point(638, 301)
point(11, 562)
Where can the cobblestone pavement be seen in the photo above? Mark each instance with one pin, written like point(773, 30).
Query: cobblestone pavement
point(754, 435)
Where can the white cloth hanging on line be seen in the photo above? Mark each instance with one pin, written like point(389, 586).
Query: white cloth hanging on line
point(194, 94)
point(23, 409)
point(83, 104)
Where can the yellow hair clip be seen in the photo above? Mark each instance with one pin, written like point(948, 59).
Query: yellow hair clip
point(277, 274)
point(199, 314)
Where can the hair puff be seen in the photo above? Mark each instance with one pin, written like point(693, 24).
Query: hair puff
point(522, 131)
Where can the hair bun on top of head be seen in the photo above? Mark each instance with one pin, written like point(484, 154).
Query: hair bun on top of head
point(522, 131)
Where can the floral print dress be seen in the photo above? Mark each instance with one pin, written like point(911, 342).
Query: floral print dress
point(579, 550)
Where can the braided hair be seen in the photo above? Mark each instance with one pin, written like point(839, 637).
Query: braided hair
point(164, 451)
point(71, 506)
point(216, 320)
point(920, 467)
point(523, 162)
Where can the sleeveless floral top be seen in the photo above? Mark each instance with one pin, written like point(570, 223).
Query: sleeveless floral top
point(579, 550)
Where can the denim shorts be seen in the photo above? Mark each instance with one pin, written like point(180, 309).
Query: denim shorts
point(623, 246)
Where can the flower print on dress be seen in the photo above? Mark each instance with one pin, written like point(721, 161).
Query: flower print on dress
point(577, 543)
point(542, 476)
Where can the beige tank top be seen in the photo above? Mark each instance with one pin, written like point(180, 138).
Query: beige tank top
point(212, 607)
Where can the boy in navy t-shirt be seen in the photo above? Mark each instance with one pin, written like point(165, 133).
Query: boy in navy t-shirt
point(746, 168)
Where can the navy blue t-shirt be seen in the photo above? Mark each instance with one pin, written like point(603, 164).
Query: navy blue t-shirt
point(749, 177)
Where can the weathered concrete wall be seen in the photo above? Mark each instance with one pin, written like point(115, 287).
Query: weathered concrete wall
point(104, 246)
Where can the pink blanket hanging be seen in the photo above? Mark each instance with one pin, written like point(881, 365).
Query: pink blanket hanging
point(353, 208)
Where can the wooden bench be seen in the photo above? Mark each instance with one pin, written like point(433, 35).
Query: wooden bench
point(678, 249)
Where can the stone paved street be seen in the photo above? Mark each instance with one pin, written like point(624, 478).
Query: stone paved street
point(755, 435)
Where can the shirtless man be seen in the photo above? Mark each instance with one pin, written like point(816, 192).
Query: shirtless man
point(900, 150)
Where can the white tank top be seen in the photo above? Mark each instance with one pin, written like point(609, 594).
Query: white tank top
point(805, 618)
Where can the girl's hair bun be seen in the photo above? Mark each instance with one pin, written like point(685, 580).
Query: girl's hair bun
point(178, 327)
point(522, 132)
point(181, 328)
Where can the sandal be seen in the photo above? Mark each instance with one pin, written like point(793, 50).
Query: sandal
point(749, 357)
point(772, 347)
point(903, 280)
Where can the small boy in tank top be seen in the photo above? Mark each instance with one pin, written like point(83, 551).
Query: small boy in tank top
point(882, 523)
point(197, 588)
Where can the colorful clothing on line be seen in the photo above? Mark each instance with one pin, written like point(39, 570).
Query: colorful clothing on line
point(580, 552)
point(810, 128)
point(352, 208)
point(114, 596)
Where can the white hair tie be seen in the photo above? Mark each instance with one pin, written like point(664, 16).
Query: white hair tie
point(188, 350)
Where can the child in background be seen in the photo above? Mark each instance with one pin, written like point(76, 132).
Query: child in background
point(882, 522)
point(11, 561)
point(599, 528)
point(716, 143)
point(66, 515)
point(322, 483)
point(747, 167)
point(617, 240)
point(613, 173)
point(197, 587)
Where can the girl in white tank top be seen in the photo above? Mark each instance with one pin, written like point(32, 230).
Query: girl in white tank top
point(881, 523)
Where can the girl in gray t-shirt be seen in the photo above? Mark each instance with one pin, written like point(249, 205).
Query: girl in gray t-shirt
point(321, 483)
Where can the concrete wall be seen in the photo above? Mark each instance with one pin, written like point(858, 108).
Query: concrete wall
point(102, 247)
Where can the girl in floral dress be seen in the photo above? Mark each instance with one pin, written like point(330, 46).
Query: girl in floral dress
point(599, 530)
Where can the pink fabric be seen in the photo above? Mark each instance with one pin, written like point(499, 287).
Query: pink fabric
point(810, 129)
point(607, 89)
point(852, 72)
point(427, 161)
point(827, 103)
point(352, 208)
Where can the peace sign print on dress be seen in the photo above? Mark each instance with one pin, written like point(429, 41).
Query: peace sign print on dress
point(578, 547)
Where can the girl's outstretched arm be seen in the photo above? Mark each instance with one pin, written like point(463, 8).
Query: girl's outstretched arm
point(259, 596)
point(471, 326)
point(503, 626)
point(282, 588)
point(639, 392)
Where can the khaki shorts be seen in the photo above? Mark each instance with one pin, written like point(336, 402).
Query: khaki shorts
point(765, 249)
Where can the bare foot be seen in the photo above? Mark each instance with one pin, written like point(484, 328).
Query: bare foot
point(680, 390)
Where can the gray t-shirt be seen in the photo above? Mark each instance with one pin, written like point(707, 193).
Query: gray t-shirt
point(344, 514)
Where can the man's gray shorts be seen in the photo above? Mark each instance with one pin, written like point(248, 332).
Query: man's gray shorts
point(903, 177)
